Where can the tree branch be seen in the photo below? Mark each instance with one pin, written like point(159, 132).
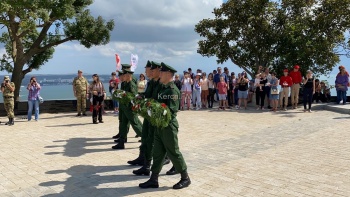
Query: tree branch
point(27, 70)
point(41, 49)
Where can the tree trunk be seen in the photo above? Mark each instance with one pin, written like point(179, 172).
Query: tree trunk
point(17, 77)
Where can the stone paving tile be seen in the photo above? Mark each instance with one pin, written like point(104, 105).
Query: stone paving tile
point(250, 154)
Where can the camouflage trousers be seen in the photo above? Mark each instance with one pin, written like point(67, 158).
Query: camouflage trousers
point(9, 104)
point(81, 102)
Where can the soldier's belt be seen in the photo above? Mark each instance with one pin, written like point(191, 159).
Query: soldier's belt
point(7, 97)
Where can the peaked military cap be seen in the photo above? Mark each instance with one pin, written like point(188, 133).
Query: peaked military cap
point(126, 66)
point(155, 65)
point(7, 78)
point(120, 72)
point(166, 68)
point(148, 65)
point(128, 71)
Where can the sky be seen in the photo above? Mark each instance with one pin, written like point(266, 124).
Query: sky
point(162, 31)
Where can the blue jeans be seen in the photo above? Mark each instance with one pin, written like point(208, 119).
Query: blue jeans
point(341, 95)
point(115, 104)
point(31, 104)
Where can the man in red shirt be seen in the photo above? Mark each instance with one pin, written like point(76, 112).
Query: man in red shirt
point(296, 78)
point(286, 82)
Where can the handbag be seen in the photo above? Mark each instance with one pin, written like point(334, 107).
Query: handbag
point(41, 100)
point(275, 91)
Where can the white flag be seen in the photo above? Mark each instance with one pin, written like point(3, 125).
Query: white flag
point(134, 61)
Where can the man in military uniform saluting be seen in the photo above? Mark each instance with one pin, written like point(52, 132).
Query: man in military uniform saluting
point(80, 90)
point(128, 115)
point(165, 139)
point(8, 89)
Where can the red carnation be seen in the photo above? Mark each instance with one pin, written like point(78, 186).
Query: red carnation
point(163, 105)
point(148, 104)
point(124, 94)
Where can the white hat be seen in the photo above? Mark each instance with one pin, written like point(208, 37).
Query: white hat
point(199, 74)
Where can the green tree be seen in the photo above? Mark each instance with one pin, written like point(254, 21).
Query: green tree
point(278, 34)
point(35, 27)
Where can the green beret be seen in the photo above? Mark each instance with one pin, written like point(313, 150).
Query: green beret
point(126, 66)
point(128, 71)
point(148, 65)
point(155, 65)
point(166, 68)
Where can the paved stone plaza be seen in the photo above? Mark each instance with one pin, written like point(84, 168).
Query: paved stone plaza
point(231, 153)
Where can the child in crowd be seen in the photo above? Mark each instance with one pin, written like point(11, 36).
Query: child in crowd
point(222, 88)
point(257, 81)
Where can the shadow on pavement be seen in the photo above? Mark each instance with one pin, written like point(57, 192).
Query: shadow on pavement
point(84, 180)
point(76, 147)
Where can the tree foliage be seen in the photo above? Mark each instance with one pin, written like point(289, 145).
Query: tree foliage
point(278, 34)
point(35, 27)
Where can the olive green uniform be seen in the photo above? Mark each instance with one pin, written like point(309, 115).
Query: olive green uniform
point(121, 109)
point(80, 85)
point(146, 123)
point(9, 101)
point(165, 139)
point(128, 116)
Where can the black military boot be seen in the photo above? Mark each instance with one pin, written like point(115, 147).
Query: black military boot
point(172, 171)
point(117, 140)
point(184, 182)
point(116, 136)
point(139, 161)
point(144, 170)
point(12, 122)
point(120, 145)
point(151, 183)
point(9, 122)
point(166, 160)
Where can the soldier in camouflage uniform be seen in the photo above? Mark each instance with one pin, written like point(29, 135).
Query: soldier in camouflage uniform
point(8, 89)
point(80, 89)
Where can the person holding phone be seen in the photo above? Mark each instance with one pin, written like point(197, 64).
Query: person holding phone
point(309, 90)
point(33, 98)
point(8, 89)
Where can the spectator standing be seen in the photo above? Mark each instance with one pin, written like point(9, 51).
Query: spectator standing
point(296, 78)
point(274, 92)
point(231, 89)
point(261, 92)
point(205, 90)
point(33, 98)
point(141, 84)
point(235, 90)
point(229, 81)
point(286, 82)
point(192, 76)
point(186, 90)
point(243, 90)
point(98, 95)
point(341, 84)
point(309, 90)
point(80, 90)
point(217, 80)
point(267, 89)
point(177, 82)
point(222, 89)
point(113, 86)
point(197, 90)
point(211, 90)
point(8, 89)
point(317, 95)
